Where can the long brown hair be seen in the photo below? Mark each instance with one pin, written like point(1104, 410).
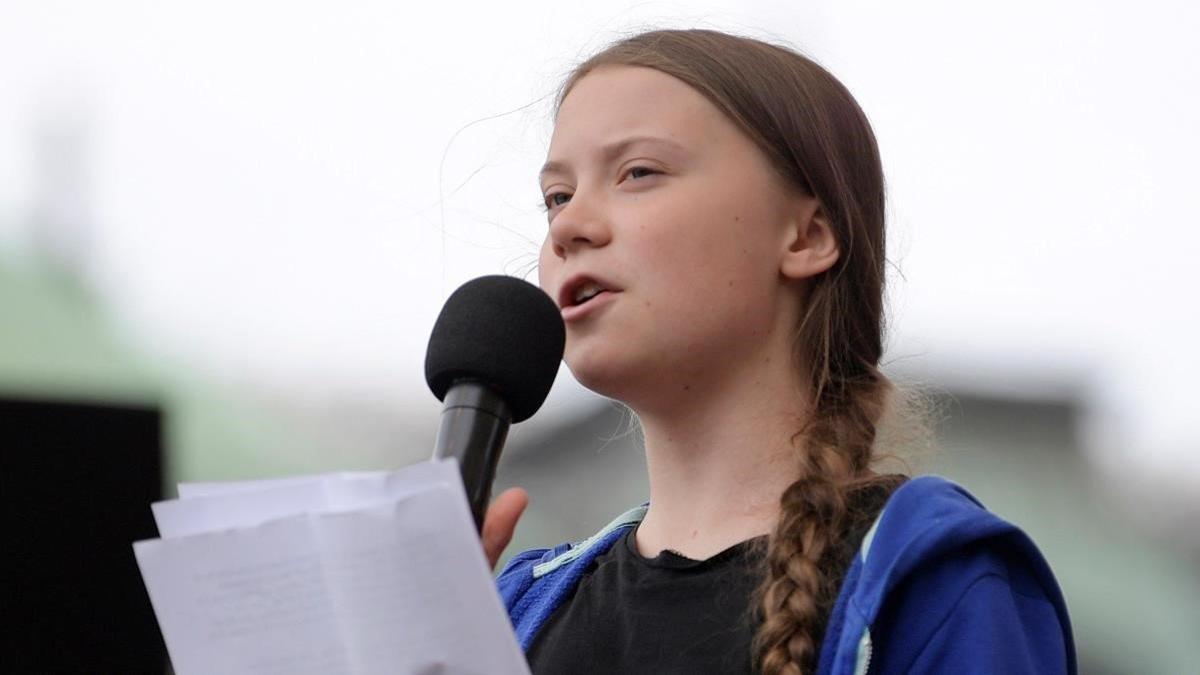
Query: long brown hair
point(819, 140)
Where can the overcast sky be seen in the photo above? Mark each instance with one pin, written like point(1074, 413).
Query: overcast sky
point(288, 192)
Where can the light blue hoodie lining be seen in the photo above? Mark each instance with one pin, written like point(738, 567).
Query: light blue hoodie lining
point(630, 517)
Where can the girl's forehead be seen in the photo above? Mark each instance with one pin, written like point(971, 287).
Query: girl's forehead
point(616, 101)
point(630, 91)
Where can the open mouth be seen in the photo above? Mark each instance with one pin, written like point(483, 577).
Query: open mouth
point(581, 293)
point(586, 292)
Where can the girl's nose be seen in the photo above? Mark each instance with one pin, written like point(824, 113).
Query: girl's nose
point(580, 224)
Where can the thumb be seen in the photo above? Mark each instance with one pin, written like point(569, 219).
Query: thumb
point(500, 522)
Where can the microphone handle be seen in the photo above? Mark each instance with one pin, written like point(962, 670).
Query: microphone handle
point(473, 428)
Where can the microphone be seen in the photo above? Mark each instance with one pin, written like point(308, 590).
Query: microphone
point(492, 358)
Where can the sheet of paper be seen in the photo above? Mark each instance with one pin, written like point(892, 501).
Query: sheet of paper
point(211, 489)
point(249, 503)
point(385, 575)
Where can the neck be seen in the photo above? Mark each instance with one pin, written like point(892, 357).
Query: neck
point(719, 458)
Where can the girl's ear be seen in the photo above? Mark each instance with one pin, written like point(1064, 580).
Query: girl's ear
point(812, 247)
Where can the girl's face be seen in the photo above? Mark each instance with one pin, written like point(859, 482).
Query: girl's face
point(662, 204)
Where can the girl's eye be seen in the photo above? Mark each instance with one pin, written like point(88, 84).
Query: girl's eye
point(640, 172)
point(555, 199)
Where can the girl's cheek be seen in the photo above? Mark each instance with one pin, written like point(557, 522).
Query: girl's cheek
point(545, 265)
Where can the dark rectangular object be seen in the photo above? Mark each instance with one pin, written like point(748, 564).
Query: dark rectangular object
point(77, 481)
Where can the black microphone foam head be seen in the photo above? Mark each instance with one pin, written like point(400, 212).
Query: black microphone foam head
point(503, 332)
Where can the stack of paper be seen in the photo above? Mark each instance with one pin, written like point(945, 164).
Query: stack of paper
point(343, 573)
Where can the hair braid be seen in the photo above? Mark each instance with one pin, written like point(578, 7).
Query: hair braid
point(791, 596)
point(809, 540)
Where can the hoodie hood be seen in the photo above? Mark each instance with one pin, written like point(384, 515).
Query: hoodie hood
point(926, 520)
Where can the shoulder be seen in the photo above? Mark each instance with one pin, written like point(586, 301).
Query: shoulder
point(957, 588)
point(941, 584)
point(539, 562)
point(980, 608)
point(517, 574)
point(535, 581)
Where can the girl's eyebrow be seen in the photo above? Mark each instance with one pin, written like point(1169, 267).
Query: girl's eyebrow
point(612, 150)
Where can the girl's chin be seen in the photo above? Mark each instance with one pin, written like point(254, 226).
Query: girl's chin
point(603, 375)
point(628, 380)
point(597, 380)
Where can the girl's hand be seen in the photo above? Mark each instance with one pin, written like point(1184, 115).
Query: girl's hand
point(500, 521)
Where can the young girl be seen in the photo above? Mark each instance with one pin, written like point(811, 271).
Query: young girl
point(716, 244)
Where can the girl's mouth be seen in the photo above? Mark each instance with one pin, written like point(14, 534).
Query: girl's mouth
point(582, 294)
point(589, 303)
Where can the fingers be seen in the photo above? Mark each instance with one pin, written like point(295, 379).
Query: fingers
point(501, 520)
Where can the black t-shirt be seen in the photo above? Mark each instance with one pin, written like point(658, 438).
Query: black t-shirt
point(667, 614)
point(672, 614)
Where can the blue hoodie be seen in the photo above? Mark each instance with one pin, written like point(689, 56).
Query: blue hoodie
point(939, 585)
